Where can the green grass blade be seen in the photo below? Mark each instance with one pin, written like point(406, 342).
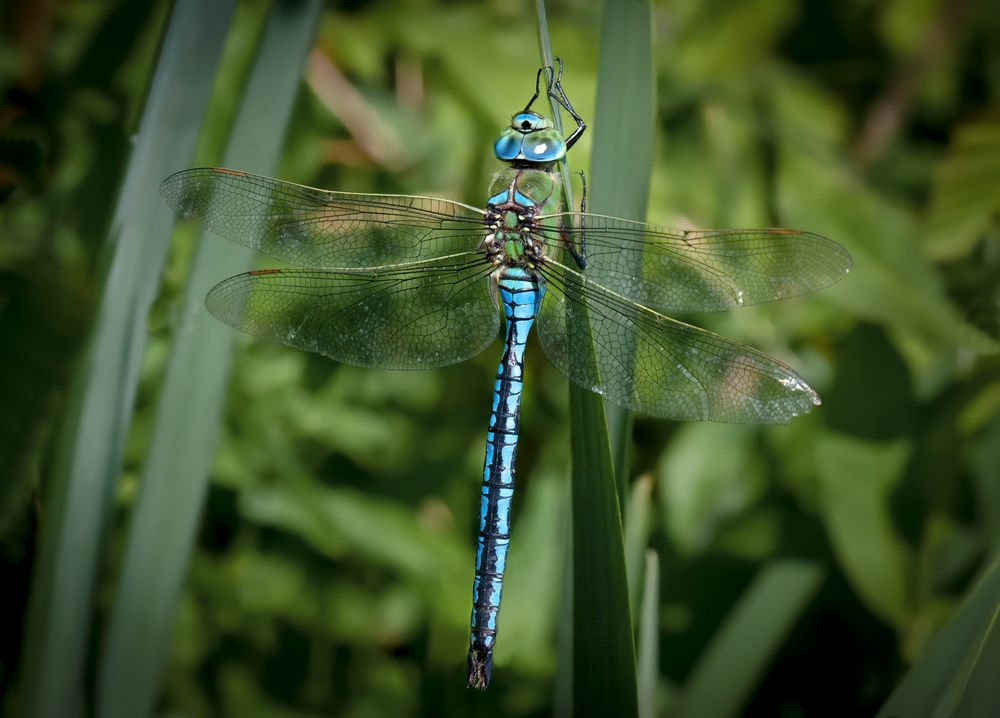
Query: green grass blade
point(564, 694)
point(545, 50)
point(638, 522)
point(91, 446)
point(604, 681)
point(177, 466)
point(955, 669)
point(980, 693)
point(622, 158)
point(739, 653)
point(649, 637)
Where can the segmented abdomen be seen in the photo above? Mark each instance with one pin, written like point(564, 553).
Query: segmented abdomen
point(521, 295)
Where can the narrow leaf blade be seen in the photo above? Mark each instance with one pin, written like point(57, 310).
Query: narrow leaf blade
point(725, 676)
point(176, 473)
point(90, 452)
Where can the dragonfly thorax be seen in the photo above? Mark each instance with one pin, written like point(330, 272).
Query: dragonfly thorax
point(519, 197)
point(511, 240)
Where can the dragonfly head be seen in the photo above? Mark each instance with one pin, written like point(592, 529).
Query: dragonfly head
point(530, 139)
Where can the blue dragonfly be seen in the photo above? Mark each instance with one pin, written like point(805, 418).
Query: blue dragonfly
point(411, 282)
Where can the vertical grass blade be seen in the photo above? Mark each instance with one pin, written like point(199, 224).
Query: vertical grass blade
point(638, 520)
point(622, 159)
point(545, 50)
point(186, 427)
point(604, 681)
point(649, 637)
point(93, 436)
point(564, 693)
point(725, 676)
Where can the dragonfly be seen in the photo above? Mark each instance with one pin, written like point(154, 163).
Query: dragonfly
point(415, 282)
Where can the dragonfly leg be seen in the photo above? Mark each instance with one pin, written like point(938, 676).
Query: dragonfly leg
point(580, 260)
point(580, 257)
point(549, 74)
point(557, 93)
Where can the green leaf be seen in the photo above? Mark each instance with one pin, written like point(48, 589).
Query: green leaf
point(89, 458)
point(956, 675)
point(966, 195)
point(187, 421)
point(727, 673)
point(813, 192)
point(700, 486)
point(985, 466)
point(637, 527)
point(623, 149)
point(856, 479)
point(981, 694)
point(649, 637)
point(604, 681)
point(533, 584)
point(341, 523)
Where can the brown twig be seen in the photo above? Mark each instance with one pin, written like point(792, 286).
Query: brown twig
point(887, 113)
point(373, 136)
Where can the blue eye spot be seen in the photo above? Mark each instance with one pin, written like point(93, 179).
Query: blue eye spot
point(507, 146)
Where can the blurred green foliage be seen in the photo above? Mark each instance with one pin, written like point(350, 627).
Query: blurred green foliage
point(334, 558)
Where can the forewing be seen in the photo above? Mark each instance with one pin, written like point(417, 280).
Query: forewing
point(655, 365)
point(678, 271)
point(412, 316)
point(311, 227)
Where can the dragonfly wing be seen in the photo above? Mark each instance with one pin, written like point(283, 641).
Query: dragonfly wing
point(410, 316)
point(674, 270)
point(311, 227)
point(656, 365)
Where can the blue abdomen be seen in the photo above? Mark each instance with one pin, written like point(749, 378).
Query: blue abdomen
point(521, 295)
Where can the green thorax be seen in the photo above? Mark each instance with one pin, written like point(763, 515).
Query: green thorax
point(541, 187)
point(518, 195)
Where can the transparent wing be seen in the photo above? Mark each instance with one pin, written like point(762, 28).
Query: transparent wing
point(311, 227)
point(409, 316)
point(678, 271)
point(659, 366)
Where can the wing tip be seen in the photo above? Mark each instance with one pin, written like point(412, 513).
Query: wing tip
point(172, 187)
point(846, 263)
point(227, 305)
point(169, 187)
